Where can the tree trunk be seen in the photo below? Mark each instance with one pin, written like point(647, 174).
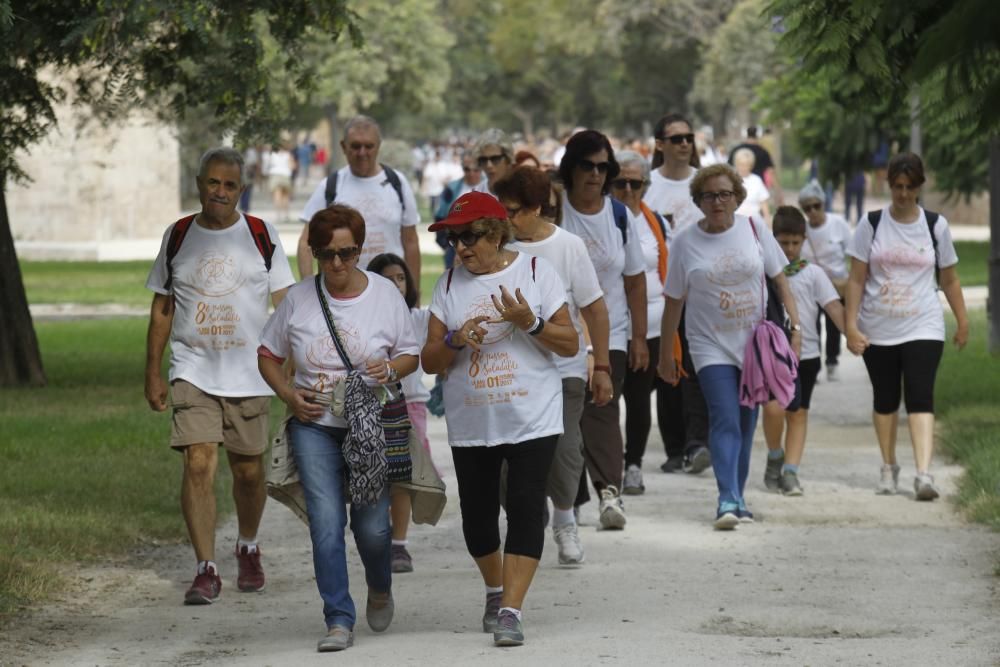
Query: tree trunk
point(992, 311)
point(20, 361)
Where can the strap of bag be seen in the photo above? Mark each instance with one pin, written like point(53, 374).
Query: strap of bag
point(261, 238)
point(329, 324)
point(875, 217)
point(177, 235)
point(763, 283)
point(621, 218)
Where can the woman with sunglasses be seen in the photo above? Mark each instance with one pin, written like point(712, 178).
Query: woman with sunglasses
point(525, 195)
point(495, 157)
point(675, 161)
point(497, 322)
point(827, 238)
point(373, 323)
point(609, 232)
point(717, 270)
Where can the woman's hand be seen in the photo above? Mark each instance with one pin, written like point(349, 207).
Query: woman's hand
point(961, 336)
point(303, 405)
point(638, 354)
point(857, 342)
point(667, 369)
point(601, 388)
point(471, 333)
point(517, 310)
point(381, 371)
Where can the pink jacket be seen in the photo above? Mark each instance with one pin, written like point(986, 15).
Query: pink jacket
point(769, 367)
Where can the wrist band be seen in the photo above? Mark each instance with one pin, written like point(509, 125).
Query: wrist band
point(537, 327)
point(391, 372)
point(602, 367)
point(447, 341)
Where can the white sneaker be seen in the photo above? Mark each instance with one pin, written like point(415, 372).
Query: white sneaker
point(568, 541)
point(612, 509)
point(889, 482)
point(633, 485)
point(832, 374)
point(923, 487)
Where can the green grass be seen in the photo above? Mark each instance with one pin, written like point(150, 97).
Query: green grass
point(87, 472)
point(973, 256)
point(965, 398)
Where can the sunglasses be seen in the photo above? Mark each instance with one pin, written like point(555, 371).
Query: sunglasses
point(345, 254)
point(812, 207)
point(678, 139)
point(495, 160)
point(587, 165)
point(722, 195)
point(634, 183)
point(468, 238)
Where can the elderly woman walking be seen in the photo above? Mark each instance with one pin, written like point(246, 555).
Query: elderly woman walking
point(497, 321)
point(495, 156)
point(718, 269)
point(344, 318)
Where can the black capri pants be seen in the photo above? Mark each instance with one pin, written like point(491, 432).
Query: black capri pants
point(907, 369)
point(478, 472)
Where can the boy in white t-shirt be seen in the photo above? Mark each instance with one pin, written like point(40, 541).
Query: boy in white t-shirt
point(812, 290)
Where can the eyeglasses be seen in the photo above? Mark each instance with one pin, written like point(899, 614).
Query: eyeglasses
point(587, 165)
point(634, 183)
point(678, 139)
point(345, 254)
point(468, 238)
point(722, 195)
point(495, 160)
point(812, 207)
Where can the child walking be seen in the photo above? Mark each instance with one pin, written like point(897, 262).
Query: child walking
point(812, 290)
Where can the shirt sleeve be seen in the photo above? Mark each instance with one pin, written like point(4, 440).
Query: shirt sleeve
point(774, 256)
point(634, 264)
point(158, 274)
point(437, 306)
point(550, 287)
point(317, 200)
point(411, 214)
point(275, 334)
point(280, 275)
point(860, 246)
point(406, 337)
point(584, 285)
point(823, 290)
point(946, 247)
point(675, 286)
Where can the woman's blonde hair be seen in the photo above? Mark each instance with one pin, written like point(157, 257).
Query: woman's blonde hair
point(499, 229)
point(712, 171)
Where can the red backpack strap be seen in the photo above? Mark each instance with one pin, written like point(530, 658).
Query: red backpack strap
point(265, 246)
point(177, 235)
point(447, 285)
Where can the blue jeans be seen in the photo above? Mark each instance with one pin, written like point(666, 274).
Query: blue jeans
point(730, 432)
point(322, 472)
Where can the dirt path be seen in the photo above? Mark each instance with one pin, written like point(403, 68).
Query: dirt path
point(838, 576)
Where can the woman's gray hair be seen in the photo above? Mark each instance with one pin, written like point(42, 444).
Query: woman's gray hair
point(223, 154)
point(495, 137)
point(628, 158)
point(744, 155)
point(812, 190)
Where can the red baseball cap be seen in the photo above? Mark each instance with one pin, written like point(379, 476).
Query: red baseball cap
point(470, 207)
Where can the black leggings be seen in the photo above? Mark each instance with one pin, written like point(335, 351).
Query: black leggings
point(478, 472)
point(912, 365)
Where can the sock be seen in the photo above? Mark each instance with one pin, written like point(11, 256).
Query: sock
point(562, 517)
point(400, 543)
point(773, 454)
point(728, 507)
point(516, 612)
point(250, 544)
point(790, 467)
point(204, 565)
point(491, 589)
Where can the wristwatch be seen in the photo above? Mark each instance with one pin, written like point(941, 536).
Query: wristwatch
point(796, 327)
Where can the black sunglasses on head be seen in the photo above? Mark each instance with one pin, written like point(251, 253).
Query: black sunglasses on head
point(587, 165)
point(634, 183)
point(468, 238)
point(678, 139)
point(345, 254)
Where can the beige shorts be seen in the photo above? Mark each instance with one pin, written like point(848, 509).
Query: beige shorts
point(239, 424)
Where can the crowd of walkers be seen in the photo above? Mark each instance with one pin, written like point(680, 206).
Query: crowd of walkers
point(613, 274)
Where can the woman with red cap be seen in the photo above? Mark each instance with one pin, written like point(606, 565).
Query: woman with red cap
point(496, 322)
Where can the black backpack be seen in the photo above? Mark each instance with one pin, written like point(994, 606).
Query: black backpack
point(875, 217)
point(391, 177)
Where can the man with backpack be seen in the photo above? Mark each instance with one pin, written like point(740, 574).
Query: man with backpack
point(211, 280)
point(381, 194)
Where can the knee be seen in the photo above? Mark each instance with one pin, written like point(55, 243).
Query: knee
point(200, 462)
point(249, 472)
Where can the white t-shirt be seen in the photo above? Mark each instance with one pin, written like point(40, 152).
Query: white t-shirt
point(568, 256)
point(669, 197)
point(654, 288)
point(812, 290)
point(281, 164)
point(612, 260)
point(900, 302)
point(510, 390)
point(377, 201)
point(221, 288)
point(413, 384)
point(721, 278)
point(757, 194)
point(375, 325)
point(826, 245)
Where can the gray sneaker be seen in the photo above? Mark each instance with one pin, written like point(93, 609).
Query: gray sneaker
point(379, 618)
point(338, 637)
point(889, 481)
point(790, 484)
point(509, 631)
point(699, 459)
point(568, 540)
point(633, 485)
point(612, 509)
point(772, 473)
point(491, 611)
point(923, 487)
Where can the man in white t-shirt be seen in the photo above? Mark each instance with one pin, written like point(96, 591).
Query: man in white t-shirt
point(381, 194)
point(211, 279)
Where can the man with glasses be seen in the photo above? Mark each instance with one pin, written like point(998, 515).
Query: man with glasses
point(381, 194)
point(494, 153)
point(210, 281)
point(472, 176)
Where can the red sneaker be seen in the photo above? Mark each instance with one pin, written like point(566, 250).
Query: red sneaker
point(205, 589)
point(251, 575)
